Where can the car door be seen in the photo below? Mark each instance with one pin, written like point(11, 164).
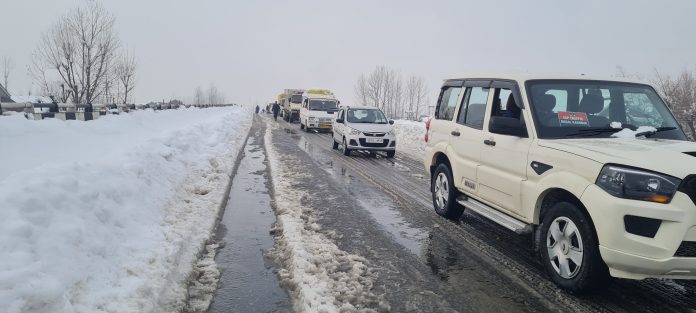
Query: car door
point(504, 162)
point(467, 135)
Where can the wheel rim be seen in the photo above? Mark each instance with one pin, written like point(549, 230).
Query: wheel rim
point(564, 244)
point(441, 190)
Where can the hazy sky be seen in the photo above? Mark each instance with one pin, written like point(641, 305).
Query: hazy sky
point(251, 50)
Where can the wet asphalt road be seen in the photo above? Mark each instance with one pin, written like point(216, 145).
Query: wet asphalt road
point(381, 209)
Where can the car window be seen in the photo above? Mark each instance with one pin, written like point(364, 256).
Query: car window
point(570, 109)
point(448, 103)
point(474, 107)
point(504, 104)
point(368, 116)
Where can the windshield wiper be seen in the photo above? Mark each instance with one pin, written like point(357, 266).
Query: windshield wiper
point(592, 131)
point(649, 133)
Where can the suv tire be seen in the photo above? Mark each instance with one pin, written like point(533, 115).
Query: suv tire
point(575, 242)
point(390, 154)
point(444, 193)
point(302, 126)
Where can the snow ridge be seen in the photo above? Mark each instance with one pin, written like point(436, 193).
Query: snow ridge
point(110, 215)
point(320, 277)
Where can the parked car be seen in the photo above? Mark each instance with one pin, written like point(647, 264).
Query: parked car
point(363, 128)
point(598, 170)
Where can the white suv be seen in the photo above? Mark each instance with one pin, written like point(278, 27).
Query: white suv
point(598, 170)
point(363, 128)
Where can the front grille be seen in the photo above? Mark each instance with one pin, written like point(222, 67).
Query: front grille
point(325, 120)
point(374, 134)
point(383, 144)
point(688, 186)
point(687, 249)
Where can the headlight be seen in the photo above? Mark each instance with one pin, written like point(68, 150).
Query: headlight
point(391, 133)
point(637, 184)
point(354, 132)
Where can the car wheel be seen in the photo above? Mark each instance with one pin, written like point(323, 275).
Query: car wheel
point(334, 143)
point(346, 151)
point(391, 154)
point(444, 193)
point(302, 126)
point(570, 250)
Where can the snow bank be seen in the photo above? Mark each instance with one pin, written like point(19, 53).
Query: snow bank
point(409, 138)
point(110, 215)
point(320, 276)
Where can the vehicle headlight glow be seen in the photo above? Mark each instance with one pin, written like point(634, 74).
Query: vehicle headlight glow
point(354, 132)
point(636, 184)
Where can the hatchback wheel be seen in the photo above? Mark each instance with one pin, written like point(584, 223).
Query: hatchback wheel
point(346, 151)
point(334, 143)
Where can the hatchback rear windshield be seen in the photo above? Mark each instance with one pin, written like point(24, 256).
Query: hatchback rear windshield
point(580, 109)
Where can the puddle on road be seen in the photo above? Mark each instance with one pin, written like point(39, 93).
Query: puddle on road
point(380, 206)
point(248, 282)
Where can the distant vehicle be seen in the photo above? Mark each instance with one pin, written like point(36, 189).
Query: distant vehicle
point(363, 128)
point(318, 108)
point(545, 155)
point(290, 101)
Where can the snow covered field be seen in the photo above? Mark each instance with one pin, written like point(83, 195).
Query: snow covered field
point(109, 215)
point(409, 138)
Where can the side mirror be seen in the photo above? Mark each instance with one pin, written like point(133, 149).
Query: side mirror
point(391, 122)
point(507, 126)
point(339, 120)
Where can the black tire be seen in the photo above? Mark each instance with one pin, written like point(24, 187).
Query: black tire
point(391, 154)
point(302, 126)
point(592, 274)
point(334, 142)
point(346, 151)
point(449, 207)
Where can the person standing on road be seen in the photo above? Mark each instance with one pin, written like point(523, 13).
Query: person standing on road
point(276, 109)
point(257, 109)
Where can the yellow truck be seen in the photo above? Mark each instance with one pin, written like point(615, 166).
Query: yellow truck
point(290, 102)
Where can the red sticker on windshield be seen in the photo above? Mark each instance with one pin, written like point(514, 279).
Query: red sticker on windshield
point(573, 119)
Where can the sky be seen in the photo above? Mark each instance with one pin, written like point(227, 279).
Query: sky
point(252, 50)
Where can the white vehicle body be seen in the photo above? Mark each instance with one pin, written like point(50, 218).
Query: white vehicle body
point(517, 174)
point(318, 110)
point(363, 128)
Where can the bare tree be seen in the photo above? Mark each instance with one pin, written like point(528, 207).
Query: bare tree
point(198, 96)
point(7, 67)
point(125, 73)
point(214, 95)
point(80, 48)
point(385, 89)
point(416, 95)
point(680, 94)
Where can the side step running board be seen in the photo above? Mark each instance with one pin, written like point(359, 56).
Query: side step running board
point(492, 214)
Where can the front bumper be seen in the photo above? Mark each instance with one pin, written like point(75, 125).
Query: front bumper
point(359, 142)
point(639, 256)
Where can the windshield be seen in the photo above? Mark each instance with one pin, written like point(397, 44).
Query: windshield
point(372, 116)
point(574, 109)
point(323, 105)
point(296, 99)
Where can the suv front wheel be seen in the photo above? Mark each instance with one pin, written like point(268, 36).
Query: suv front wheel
point(444, 193)
point(570, 250)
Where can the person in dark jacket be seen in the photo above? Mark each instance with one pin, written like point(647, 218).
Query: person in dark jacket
point(257, 109)
point(276, 109)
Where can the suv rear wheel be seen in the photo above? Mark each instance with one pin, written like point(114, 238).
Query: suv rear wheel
point(570, 250)
point(444, 193)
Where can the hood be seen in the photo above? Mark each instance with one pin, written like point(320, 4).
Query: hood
point(672, 157)
point(371, 128)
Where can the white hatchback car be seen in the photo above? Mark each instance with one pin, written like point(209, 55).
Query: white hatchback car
point(364, 128)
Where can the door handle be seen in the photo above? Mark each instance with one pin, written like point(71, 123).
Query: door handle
point(489, 142)
point(455, 133)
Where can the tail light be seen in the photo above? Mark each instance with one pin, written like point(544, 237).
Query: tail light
point(427, 128)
